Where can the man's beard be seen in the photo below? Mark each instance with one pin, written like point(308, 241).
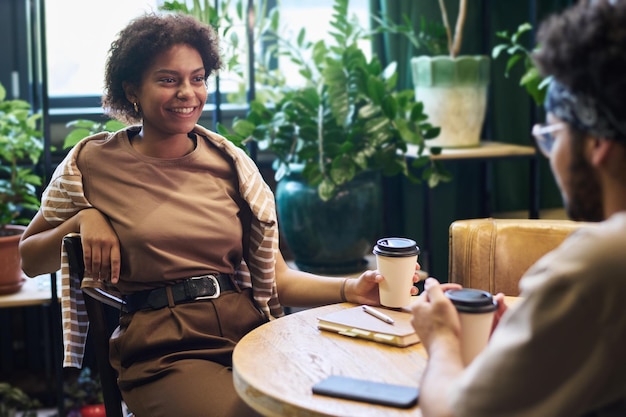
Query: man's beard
point(585, 202)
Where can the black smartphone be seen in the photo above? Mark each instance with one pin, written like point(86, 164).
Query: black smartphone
point(400, 396)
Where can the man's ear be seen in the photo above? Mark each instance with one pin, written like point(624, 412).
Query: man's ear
point(600, 150)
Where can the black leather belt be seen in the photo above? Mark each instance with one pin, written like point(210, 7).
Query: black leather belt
point(191, 289)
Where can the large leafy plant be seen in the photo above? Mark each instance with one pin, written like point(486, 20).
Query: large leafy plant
point(348, 118)
point(21, 146)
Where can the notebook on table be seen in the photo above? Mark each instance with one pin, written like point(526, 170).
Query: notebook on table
point(354, 322)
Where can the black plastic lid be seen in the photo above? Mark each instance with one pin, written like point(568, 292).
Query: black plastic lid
point(468, 300)
point(396, 247)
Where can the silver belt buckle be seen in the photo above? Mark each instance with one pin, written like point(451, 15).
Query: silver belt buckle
point(216, 284)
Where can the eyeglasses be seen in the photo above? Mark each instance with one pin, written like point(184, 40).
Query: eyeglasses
point(544, 135)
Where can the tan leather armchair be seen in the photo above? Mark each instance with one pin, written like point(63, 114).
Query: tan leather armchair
point(493, 254)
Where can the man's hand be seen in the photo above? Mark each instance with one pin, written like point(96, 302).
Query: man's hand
point(434, 316)
point(437, 323)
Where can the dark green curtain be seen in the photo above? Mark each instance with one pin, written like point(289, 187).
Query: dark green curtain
point(510, 116)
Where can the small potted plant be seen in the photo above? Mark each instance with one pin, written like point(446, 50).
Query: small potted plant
point(13, 399)
point(83, 396)
point(21, 146)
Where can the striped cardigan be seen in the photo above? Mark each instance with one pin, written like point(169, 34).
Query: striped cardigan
point(64, 197)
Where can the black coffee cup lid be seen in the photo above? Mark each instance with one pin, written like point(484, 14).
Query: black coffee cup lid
point(396, 247)
point(468, 300)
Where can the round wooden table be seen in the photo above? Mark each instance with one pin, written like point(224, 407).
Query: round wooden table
point(276, 365)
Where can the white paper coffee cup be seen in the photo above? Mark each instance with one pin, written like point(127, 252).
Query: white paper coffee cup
point(396, 258)
point(476, 309)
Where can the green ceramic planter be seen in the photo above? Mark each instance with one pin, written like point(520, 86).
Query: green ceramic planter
point(330, 237)
point(454, 93)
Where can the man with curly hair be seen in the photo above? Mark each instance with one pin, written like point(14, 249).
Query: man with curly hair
point(559, 351)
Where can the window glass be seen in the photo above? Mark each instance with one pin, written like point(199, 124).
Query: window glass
point(77, 48)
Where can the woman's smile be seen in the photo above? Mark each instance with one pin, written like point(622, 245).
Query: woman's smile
point(183, 110)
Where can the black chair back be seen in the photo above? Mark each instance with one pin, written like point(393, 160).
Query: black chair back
point(99, 332)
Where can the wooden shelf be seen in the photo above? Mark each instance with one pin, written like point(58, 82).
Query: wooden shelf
point(486, 150)
point(35, 291)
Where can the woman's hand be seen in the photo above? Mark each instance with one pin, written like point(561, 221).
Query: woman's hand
point(364, 290)
point(101, 247)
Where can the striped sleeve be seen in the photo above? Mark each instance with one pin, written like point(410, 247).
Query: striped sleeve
point(64, 195)
point(73, 316)
point(62, 199)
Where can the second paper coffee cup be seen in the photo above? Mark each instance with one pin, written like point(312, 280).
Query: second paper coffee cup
point(396, 258)
point(476, 309)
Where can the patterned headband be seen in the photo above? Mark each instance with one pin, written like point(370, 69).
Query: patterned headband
point(583, 112)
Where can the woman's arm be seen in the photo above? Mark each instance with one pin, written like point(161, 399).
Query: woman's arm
point(40, 245)
point(302, 289)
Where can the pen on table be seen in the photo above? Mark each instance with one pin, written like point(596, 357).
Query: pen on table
point(378, 314)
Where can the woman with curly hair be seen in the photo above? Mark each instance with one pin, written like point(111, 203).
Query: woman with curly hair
point(558, 352)
point(180, 221)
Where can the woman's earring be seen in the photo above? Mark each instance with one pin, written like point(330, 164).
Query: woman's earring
point(136, 107)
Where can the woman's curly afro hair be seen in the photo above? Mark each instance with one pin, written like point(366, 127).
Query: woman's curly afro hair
point(138, 45)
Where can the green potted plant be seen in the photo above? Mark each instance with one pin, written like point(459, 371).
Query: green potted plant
point(83, 395)
point(21, 146)
point(333, 138)
point(453, 87)
point(13, 399)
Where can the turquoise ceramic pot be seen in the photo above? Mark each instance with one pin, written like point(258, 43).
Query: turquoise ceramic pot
point(330, 237)
point(454, 93)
